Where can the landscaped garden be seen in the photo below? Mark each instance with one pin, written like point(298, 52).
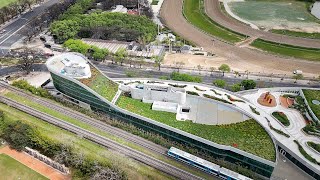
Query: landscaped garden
point(101, 84)
point(248, 135)
point(315, 146)
point(194, 13)
point(310, 96)
point(12, 169)
point(311, 54)
point(282, 118)
point(305, 154)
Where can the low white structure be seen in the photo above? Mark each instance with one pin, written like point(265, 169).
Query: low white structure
point(316, 9)
point(165, 97)
point(70, 64)
point(120, 9)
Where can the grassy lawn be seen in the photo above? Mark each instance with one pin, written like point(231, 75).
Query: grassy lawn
point(194, 13)
point(297, 34)
point(54, 113)
point(287, 50)
point(282, 118)
point(313, 95)
point(133, 169)
point(315, 146)
point(12, 169)
point(102, 85)
point(248, 135)
point(6, 2)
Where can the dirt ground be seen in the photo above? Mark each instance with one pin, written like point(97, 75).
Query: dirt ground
point(34, 164)
point(236, 57)
point(192, 61)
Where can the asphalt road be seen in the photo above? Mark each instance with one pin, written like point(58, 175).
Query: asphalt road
point(114, 71)
point(13, 30)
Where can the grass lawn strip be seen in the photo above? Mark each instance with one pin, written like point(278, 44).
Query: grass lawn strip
point(12, 169)
point(313, 95)
point(248, 135)
point(56, 114)
point(4, 3)
point(305, 154)
point(296, 33)
point(282, 118)
point(101, 84)
point(311, 54)
point(198, 18)
point(315, 146)
point(133, 169)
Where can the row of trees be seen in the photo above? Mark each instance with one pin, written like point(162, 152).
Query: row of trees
point(245, 84)
point(15, 8)
point(20, 135)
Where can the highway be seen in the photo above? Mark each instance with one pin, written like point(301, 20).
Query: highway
point(139, 156)
point(13, 29)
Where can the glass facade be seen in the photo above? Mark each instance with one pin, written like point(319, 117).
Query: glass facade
point(76, 91)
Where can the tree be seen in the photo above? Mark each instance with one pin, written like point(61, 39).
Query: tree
point(219, 82)
point(18, 135)
point(297, 76)
point(27, 58)
point(178, 65)
point(64, 30)
point(158, 61)
point(99, 54)
point(248, 84)
point(236, 87)
point(121, 55)
point(224, 68)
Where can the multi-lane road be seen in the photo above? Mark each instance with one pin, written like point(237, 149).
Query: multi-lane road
point(14, 28)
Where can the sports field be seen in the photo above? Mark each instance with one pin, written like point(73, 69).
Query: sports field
point(6, 2)
point(12, 169)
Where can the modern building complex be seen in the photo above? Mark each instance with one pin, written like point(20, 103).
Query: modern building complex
point(185, 104)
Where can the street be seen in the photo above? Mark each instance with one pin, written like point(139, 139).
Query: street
point(12, 30)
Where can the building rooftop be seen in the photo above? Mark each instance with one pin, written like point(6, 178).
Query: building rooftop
point(73, 65)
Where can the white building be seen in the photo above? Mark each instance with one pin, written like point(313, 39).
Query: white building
point(120, 9)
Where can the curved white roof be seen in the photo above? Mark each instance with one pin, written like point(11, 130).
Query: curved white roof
point(71, 64)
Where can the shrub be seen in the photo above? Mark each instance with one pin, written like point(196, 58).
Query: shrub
point(192, 93)
point(198, 89)
point(185, 77)
point(177, 85)
point(282, 118)
point(315, 146)
point(219, 82)
point(236, 87)
point(214, 91)
point(305, 154)
point(248, 84)
point(217, 99)
point(22, 84)
point(254, 110)
point(233, 99)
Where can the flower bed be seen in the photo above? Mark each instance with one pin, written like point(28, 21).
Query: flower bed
point(215, 92)
point(233, 99)
point(198, 89)
point(217, 99)
point(281, 117)
point(315, 146)
point(192, 93)
point(254, 110)
point(305, 154)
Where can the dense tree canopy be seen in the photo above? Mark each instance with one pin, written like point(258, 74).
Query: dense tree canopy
point(107, 25)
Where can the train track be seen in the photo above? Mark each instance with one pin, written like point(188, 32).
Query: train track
point(139, 156)
point(90, 121)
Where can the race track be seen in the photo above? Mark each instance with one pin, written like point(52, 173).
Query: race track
point(238, 58)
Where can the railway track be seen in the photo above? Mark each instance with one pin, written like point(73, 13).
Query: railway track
point(90, 121)
point(139, 156)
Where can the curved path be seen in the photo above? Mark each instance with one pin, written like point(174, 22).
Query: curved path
point(238, 58)
point(213, 10)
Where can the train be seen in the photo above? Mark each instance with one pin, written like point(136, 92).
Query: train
point(205, 165)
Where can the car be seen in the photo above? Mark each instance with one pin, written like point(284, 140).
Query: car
point(3, 31)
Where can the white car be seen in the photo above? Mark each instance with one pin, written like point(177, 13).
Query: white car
point(2, 31)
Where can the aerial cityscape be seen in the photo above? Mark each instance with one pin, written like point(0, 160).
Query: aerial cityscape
point(159, 89)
